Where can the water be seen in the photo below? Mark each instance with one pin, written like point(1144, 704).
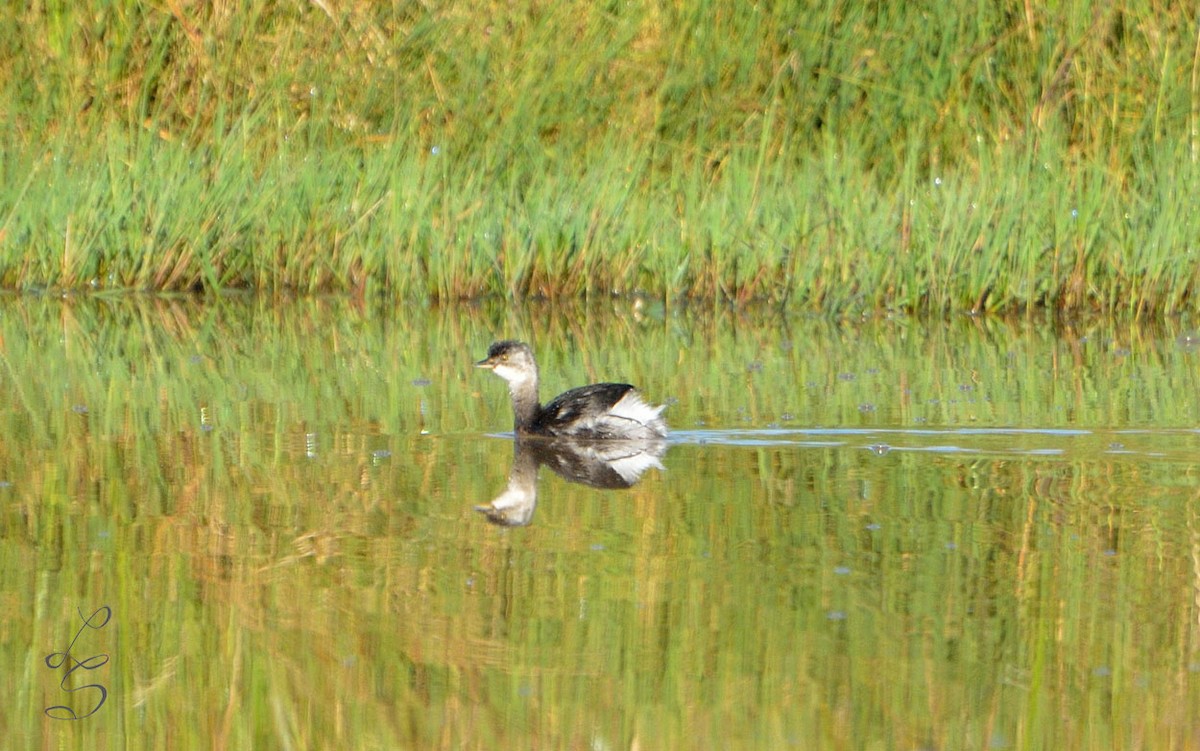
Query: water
point(881, 534)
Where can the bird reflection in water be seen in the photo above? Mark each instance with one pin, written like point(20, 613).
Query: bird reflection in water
point(599, 464)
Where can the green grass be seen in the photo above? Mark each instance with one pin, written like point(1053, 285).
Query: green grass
point(836, 157)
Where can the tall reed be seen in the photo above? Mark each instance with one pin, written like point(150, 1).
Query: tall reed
point(833, 157)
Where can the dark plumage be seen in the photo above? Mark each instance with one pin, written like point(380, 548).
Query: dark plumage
point(600, 411)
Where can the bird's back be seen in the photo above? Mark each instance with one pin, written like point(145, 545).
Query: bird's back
point(602, 410)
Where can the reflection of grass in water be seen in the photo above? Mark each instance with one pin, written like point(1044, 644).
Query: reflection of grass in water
point(840, 157)
point(278, 368)
point(753, 595)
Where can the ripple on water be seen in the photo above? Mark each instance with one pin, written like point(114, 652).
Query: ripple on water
point(1164, 443)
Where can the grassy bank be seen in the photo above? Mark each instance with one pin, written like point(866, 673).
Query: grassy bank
point(837, 157)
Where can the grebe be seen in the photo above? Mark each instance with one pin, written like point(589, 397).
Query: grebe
point(611, 411)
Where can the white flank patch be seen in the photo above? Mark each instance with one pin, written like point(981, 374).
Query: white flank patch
point(632, 407)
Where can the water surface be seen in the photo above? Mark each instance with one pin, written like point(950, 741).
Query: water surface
point(873, 534)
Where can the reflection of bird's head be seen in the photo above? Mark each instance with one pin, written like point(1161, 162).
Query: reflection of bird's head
point(509, 516)
point(514, 507)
